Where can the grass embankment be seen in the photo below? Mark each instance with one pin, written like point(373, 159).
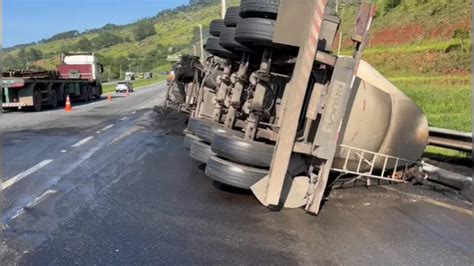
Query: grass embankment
point(447, 103)
point(137, 84)
point(436, 75)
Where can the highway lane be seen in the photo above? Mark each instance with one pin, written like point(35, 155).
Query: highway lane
point(112, 184)
point(42, 150)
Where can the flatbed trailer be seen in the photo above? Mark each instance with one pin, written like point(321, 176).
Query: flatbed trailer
point(36, 90)
point(78, 76)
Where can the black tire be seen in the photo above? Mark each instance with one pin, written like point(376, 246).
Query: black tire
point(216, 27)
point(189, 139)
point(233, 174)
point(213, 47)
point(232, 16)
point(234, 148)
point(37, 101)
point(99, 93)
point(256, 31)
point(54, 99)
point(227, 40)
point(200, 151)
point(192, 124)
point(85, 94)
point(259, 8)
point(204, 129)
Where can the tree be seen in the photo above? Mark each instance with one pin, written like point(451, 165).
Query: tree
point(83, 45)
point(61, 36)
point(143, 30)
point(34, 54)
point(105, 39)
point(12, 63)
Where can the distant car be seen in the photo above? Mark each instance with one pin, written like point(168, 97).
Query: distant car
point(124, 86)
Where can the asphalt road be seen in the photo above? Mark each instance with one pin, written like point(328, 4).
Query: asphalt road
point(110, 183)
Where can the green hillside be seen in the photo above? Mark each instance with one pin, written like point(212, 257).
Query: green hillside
point(423, 46)
point(172, 31)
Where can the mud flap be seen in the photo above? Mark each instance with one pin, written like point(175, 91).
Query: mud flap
point(295, 197)
point(295, 187)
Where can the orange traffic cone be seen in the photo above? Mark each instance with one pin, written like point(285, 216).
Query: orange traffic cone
point(68, 107)
point(109, 97)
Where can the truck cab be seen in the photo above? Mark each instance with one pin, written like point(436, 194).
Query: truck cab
point(86, 59)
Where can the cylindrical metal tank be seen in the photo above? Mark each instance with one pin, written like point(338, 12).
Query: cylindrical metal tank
point(384, 121)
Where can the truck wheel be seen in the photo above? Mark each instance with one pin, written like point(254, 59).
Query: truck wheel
point(201, 151)
point(214, 48)
point(259, 8)
point(227, 40)
point(255, 31)
point(37, 101)
point(216, 27)
point(85, 94)
point(233, 174)
point(203, 129)
point(54, 99)
point(99, 93)
point(189, 139)
point(233, 147)
point(232, 16)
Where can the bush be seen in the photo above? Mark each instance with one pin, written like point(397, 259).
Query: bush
point(390, 4)
point(144, 30)
point(83, 45)
point(105, 39)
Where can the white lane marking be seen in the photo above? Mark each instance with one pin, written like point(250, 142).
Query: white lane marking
point(18, 213)
point(42, 197)
point(134, 112)
point(24, 174)
point(123, 118)
point(82, 142)
point(64, 151)
point(98, 132)
point(108, 127)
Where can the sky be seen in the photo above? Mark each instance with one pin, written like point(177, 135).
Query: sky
point(27, 21)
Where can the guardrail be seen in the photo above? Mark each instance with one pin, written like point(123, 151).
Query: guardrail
point(451, 139)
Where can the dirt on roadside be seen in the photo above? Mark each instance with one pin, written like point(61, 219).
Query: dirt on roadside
point(170, 121)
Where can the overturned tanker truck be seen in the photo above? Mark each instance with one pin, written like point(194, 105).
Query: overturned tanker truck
point(276, 112)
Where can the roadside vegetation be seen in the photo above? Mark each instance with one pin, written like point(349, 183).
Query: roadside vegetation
point(423, 46)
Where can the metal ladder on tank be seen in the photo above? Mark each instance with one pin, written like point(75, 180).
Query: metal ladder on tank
point(329, 123)
point(394, 169)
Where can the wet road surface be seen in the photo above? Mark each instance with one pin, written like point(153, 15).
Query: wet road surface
point(111, 184)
